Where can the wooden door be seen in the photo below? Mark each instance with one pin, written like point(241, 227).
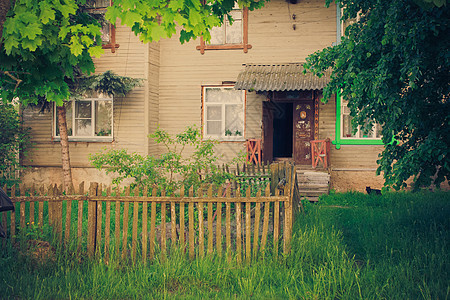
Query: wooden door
point(303, 131)
point(267, 132)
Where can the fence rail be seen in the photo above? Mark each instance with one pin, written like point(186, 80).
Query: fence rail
point(146, 222)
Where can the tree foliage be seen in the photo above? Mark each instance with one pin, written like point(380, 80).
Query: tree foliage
point(393, 67)
point(154, 20)
point(14, 140)
point(45, 45)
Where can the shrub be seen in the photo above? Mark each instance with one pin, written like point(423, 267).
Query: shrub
point(14, 140)
point(172, 169)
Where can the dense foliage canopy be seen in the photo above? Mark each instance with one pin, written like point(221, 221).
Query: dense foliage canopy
point(47, 46)
point(48, 43)
point(393, 67)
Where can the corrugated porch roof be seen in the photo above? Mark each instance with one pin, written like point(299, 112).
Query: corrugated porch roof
point(279, 77)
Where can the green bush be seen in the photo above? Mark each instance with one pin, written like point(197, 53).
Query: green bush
point(14, 140)
point(172, 169)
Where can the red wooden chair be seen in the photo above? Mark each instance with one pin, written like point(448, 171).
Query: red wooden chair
point(320, 151)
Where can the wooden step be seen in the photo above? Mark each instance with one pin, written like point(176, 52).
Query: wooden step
point(313, 177)
point(311, 198)
point(313, 183)
point(312, 193)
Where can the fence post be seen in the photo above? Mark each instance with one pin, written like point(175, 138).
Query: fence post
point(274, 178)
point(58, 212)
point(288, 208)
point(92, 219)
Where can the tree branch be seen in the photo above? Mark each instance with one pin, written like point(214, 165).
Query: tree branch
point(17, 80)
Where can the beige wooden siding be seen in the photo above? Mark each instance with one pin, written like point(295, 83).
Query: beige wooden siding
point(253, 115)
point(153, 94)
point(355, 157)
point(131, 119)
point(183, 70)
point(327, 118)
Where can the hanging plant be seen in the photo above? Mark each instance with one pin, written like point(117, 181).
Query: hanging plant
point(107, 83)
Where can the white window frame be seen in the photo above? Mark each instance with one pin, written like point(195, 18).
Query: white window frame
point(93, 137)
point(358, 133)
point(223, 137)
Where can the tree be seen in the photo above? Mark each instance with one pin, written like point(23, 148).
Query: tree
point(393, 67)
point(46, 45)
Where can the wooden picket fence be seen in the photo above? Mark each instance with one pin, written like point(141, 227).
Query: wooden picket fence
point(146, 222)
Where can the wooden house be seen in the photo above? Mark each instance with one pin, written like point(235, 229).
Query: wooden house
point(246, 84)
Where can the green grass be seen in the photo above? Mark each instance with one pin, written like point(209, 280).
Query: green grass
point(350, 246)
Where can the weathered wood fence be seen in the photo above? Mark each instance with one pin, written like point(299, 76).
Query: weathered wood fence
point(143, 222)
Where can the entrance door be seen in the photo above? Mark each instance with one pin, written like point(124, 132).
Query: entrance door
point(303, 131)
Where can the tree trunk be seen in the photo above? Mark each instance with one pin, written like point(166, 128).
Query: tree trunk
point(65, 157)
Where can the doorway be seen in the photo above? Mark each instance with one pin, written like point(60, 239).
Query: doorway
point(289, 126)
point(282, 130)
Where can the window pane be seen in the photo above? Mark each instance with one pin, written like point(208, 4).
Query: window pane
point(101, 3)
point(69, 119)
point(105, 31)
point(366, 134)
point(82, 109)
point(347, 126)
point(378, 130)
point(214, 113)
point(234, 32)
point(217, 35)
point(236, 14)
point(103, 116)
point(213, 128)
point(227, 95)
point(234, 120)
point(83, 127)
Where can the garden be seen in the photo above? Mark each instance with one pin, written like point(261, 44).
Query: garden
point(347, 246)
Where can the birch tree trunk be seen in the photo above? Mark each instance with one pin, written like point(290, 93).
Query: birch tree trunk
point(65, 157)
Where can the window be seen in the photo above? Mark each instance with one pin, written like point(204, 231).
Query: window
point(344, 129)
point(223, 113)
point(108, 31)
point(347, 129)
point(88, 119)
point(230, 35)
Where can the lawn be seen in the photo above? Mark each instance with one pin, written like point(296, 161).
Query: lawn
point(349, 246)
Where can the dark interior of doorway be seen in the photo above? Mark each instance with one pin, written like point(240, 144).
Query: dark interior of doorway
point(282, 130)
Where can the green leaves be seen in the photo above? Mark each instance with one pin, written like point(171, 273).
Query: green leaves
point(172, 169)
point(130, 17)
point(96, 51)
point(391, 66)
point(14, 138)
point(46, 44)
point(154, 20)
